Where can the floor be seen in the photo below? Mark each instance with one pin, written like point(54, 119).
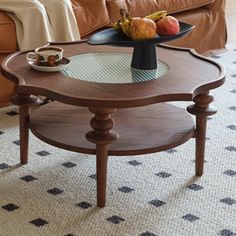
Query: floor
point(231, 19)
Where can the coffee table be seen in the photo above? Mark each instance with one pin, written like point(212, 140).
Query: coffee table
point(101, 106)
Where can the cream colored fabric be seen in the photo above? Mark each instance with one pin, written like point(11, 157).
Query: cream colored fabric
point(41, 21)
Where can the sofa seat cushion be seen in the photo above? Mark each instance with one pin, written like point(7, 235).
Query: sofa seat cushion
point(8, 41)
point(143, 8)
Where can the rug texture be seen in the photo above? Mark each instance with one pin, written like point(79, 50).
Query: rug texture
point(147, 195)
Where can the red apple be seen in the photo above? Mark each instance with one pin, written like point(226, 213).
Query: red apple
point(142, 28)
point(169, 25)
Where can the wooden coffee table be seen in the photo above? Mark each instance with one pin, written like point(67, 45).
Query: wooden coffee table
point(103, 107)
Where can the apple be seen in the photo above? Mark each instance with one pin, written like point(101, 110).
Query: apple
point(168, 25)
point(142, 28)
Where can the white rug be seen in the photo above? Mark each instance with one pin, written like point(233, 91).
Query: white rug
point(149, 195)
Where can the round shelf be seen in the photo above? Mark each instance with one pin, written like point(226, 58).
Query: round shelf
point(141, 130)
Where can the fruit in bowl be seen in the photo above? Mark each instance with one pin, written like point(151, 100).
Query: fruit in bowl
point(167, 26)
point(142, 28)
point(138, 28)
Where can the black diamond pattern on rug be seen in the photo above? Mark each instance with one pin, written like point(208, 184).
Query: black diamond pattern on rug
point(226, 232)
point(215, 56)
point(228, 201)
point(43, 153)
point(93, 176)
point(231, 148)
point(157, 203)
point(10, 207)
point(4, 166)
point(233, 91)
point(17, 142)
point(1, 132)
point(230, 172)
point(147, 233)
point(190, 217)
point(28, 178)
point(233, 127)
point(69, 164)
point(134, 163)
point(126, 189)
point(172, 150)
point(115, 219)
point(55, 191)
point(39, 222)
point(12, 113)
point(69, 235)
point(195, 187)
point(163, 174)
point(84, 205)
point(233, 108)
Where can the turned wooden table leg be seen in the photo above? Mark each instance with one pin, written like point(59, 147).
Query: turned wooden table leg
point(201, 109)
point(101, 170)
point(24, 102)
point(101, 135)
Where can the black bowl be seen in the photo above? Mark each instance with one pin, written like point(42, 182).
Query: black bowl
point(113, 37)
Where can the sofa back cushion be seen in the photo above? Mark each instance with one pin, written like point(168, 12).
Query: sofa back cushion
point(90, 15)
point(173, 6)
point(143, 8)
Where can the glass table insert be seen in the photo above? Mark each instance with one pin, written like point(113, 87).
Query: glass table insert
point(110, 67)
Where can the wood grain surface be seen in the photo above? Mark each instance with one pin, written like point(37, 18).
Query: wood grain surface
point(141, 130)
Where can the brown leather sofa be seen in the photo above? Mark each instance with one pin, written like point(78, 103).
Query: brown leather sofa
point(207, 15)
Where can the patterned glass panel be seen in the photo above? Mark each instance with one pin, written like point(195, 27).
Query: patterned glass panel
point(109, 67)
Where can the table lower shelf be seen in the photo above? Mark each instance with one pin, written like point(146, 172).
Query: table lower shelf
point(141, 130)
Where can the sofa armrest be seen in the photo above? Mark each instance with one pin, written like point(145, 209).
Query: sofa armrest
point(8, 42)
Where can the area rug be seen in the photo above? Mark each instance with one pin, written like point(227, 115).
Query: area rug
point(147, 195)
